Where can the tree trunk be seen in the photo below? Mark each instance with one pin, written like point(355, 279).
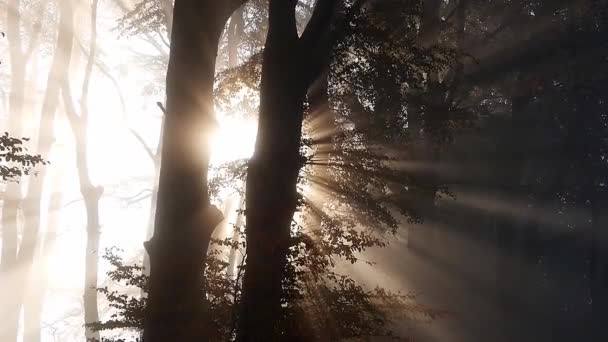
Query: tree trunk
point(236, 237)
point(598, 266)
point(154, 197)
point(271, 194)
point(509, 228)
point(167, 7)
point(12, 198)
point(291, 63)
point(235, 29)
point(32, 208)
point(184, 217)
point(425, 151)
point(90, 193)
point(34, 303)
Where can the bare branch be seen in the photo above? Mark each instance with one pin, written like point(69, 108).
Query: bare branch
point(145, 146)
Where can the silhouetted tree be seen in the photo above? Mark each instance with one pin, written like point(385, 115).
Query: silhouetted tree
point(184, 216)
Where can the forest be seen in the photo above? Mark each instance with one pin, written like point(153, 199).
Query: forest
point(303, 170)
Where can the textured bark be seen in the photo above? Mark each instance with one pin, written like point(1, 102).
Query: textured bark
point(184, 217)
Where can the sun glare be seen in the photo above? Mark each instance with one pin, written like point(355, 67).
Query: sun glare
point(233, 140)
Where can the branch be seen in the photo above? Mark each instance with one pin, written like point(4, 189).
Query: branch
point(33, 42)
point(145, 146)
point(70, 110)
point(318, 24)
point(106, 73)
point(162, 108)
point(84, 109)
point(319, 37)
point(232, 5)
point(164, 40)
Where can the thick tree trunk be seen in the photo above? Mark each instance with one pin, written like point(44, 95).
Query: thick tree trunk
point(271, 194)
point(184, 217)
point(290, 66)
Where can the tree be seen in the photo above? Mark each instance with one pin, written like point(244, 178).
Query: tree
point(19, 54)
point(184, 217)
point(90, 193)
point(32, 203)
point(290, 64)
point(308, 251)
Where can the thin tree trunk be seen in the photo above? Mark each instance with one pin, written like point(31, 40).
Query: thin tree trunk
point(90, 193)
point(167, 7)
point(36, 287)
point(184, 217)
point(508, 232)
point(598, 266)
point(154, 197)
point(32, 203)
point(12, 198)
point(425, 151)
point(236, 237)
point(235, 29)
point(34, 303)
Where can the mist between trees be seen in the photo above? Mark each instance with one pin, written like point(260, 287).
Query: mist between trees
point(284, 170)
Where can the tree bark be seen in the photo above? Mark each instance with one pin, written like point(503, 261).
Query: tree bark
point(184, 217)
